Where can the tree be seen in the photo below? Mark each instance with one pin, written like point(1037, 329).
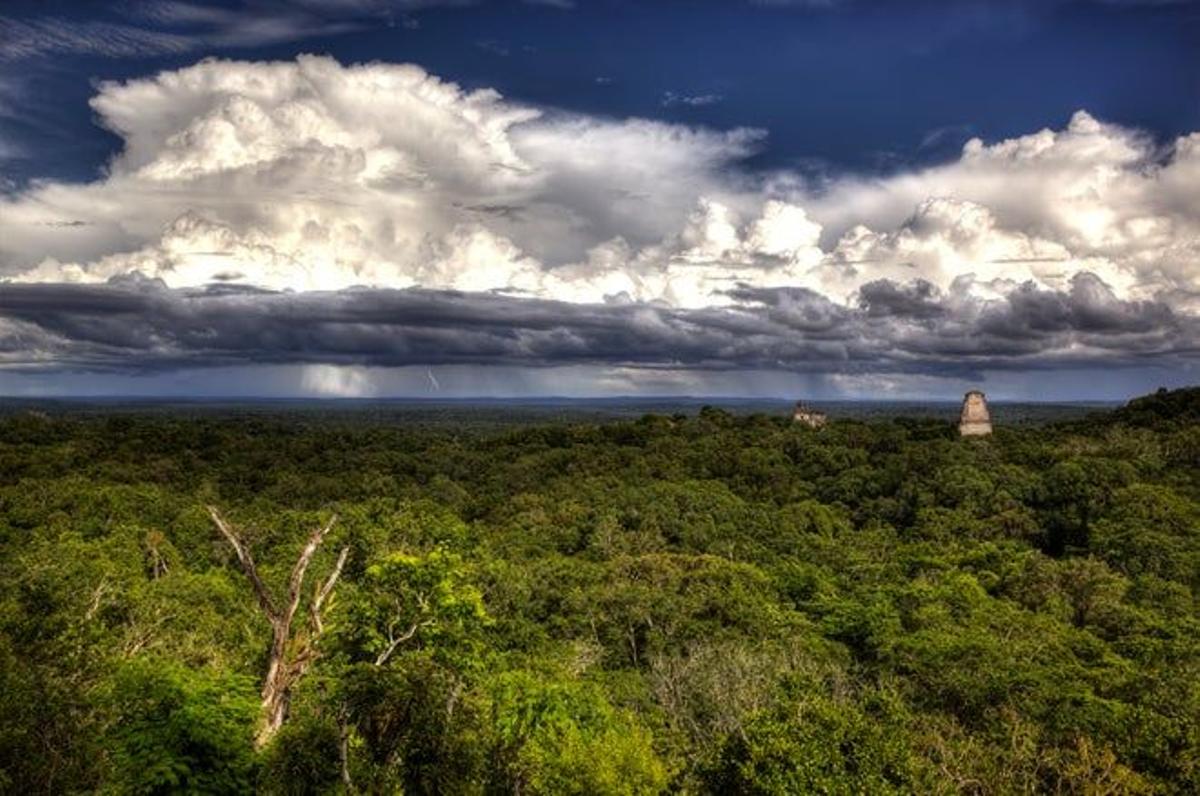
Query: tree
point(1151, 530)
point(811, 742)
point(563, 737)
point(409, 632)
point(291, 653)
point(405, 598)
point(179, 731)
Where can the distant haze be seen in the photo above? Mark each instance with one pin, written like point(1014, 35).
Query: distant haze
point(583, 382)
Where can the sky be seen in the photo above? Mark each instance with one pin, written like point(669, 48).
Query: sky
point(815, 199)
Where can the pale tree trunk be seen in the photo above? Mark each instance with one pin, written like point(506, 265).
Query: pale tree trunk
point(343, 720)
point(291, 653)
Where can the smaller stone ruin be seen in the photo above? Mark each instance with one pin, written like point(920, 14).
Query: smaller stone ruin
point(975, 420)
point(813, 418)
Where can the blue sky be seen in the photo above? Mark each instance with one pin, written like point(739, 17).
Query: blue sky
point(840, 85)
point(843, 198)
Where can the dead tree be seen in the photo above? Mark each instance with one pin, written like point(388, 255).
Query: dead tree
point(291, 654)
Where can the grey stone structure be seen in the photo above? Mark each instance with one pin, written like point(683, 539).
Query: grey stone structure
point(975, 420)
point(810, 417)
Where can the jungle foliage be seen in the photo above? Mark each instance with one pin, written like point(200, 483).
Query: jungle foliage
point(709, 603)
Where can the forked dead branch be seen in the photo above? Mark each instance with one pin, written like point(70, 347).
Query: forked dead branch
point(291, 653)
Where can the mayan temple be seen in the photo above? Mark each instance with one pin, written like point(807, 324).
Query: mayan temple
point(975, 420)
point(810, 417)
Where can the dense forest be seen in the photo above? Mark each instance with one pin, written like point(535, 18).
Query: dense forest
point(700, 603)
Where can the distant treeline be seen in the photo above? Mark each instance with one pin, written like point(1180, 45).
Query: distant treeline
point(305, 601)
point(490, 414)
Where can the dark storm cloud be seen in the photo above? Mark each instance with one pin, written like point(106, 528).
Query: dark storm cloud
point(884, 298)
point(136, 324)
point(1091, 312)
point(143, 325)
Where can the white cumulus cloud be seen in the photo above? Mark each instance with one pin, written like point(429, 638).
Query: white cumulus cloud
point(313, 175)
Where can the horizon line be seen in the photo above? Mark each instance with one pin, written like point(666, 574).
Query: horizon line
point(103, 397)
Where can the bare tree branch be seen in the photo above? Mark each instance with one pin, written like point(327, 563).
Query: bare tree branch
point(396, 641)
point(324, 591)
point(97, 597)
point(247, 562)
point(297, 578)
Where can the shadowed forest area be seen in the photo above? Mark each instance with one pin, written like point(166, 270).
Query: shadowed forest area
point(707, 602)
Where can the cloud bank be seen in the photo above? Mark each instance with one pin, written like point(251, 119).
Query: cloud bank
point(314, 213)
